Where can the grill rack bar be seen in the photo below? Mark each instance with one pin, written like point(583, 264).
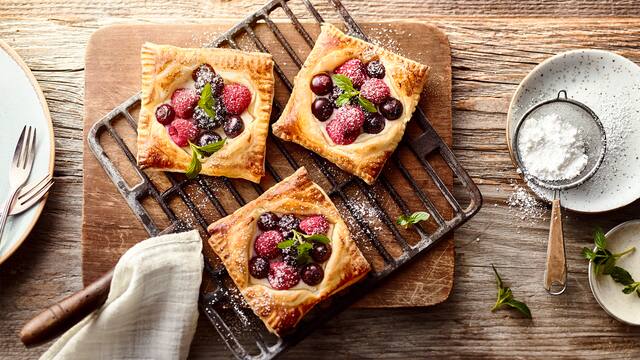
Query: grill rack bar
point(427, 143)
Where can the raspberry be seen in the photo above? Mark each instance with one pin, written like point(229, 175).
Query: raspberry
point(183, 102)
point(316, 224)
point(181, 131)
point(354, 70)
point(339, 133)
point(351, 116)
point(283, 276)
point(266, 244)
point(236, 98)
point(375, 90)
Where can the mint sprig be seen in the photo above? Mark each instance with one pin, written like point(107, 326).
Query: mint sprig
point(198, 152)
point(408, 220)
point(303, 244)
point(349, 92)
point(207, 102)
point(505, 297)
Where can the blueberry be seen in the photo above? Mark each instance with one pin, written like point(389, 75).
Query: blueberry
point(233, 126)
point(322, 108)
point(375, 69)
point(391, 108)
point(165, 114)
point(320, 252)
point(259, 267)
point(373, 123)
point(312, 274)
point(268, 221)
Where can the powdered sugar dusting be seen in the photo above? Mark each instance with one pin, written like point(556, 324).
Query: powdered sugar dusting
point(524, 205)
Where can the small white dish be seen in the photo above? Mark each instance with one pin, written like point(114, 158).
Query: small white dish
point(609, 84)
point(21, 103)
point(608, 293)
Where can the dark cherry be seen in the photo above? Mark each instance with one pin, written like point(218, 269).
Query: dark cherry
point(208, 138)
point(259, 267)
point(165, 114)
point(268, 221)
point(375, 69)
point(335, 93)
point(287, 224)
point(290, 256)
point(322, 108)
point(202, 71)
point(391, 108)
point(320, 252)
point(373, 123)
point(233, 126)
point(321, 84)
point(312, 274)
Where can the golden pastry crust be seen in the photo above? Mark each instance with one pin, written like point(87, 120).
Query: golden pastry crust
point(232, 239)
point(365, 157)
point(166, 68)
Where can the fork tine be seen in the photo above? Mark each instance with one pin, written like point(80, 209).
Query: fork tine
point(37, 195)
point(32, 150)
point(18, 151)
point(26, 191)
point(25, 149)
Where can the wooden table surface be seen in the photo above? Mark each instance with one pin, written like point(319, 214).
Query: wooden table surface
point(491, 54)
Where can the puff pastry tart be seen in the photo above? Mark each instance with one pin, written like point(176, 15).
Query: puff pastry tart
point(205, 111)
point(288, 250)
point(351, 102)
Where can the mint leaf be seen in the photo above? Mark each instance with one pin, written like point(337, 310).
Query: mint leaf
point(520, 306)
point(621, 276)
point(211, 148)
point(207, 102)
point(408, 220)
point(194, 167)
point(599, 238)
point(303, 252)
point(285, 244)
point(343, 82)
point(588, 253)
point(367, 105)
point(343, 99)
point(318, 238)
point(505, 297)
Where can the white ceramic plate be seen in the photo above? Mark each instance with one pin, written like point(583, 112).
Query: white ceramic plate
point(21, 103)
point(610, 85)
point(607, 292)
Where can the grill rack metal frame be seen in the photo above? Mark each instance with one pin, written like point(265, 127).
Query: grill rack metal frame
point(427, 143)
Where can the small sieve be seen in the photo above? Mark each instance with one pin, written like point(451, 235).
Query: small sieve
point(592, 132)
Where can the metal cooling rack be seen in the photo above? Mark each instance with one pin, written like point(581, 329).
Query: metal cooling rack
point(242, 331)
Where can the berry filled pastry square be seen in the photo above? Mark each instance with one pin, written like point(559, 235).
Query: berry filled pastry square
point(351, 102)
point(205, 111)
point(288, 250)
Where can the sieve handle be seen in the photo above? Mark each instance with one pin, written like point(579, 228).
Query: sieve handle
point(555, 275)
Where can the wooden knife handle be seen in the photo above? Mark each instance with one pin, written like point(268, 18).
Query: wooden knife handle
point(555, 275)
point(61, 316)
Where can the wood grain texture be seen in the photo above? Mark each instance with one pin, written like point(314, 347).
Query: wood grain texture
point(490, 57)
point(426, 281)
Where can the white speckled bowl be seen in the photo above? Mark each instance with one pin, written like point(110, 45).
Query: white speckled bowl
point(609, 84)
point(608, 293)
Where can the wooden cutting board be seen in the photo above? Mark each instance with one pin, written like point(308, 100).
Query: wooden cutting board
point(112, 74)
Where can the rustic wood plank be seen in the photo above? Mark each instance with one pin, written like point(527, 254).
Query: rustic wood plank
point(490, 56)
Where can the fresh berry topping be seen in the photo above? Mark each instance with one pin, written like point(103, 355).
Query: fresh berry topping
point(266, 244)
point(290, 256)
point(375, 69)
point(183, 102)
point(236, 98)
point(216, 81)
point(321, 84)
point(203, 121)
point(283, 276)
point(320, 252)
point(316, 224)
point(375, 90)
point(354, 70)
point(259, 267)
point(203, 71)
point(335, 93)
point(322, 108)
point(373, 123)
point(287, 224)
point(340, 134)
point(312, 274)
point(233, 126)
point(351, 116)
point(208, 138)
point(181, 131)
point(391, 108)
point(268, 221)
point(165, 114)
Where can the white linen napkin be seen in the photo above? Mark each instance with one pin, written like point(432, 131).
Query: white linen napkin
point(151, 311)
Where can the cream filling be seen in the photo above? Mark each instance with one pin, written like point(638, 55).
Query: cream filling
point(301, 284)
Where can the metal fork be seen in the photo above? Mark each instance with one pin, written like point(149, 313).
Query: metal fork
point(20, 169)
point(31, 195)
